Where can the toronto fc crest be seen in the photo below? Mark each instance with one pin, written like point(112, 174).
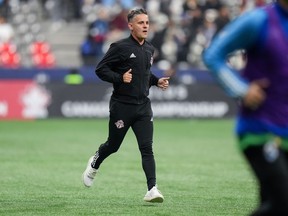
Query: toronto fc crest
point(119, 124)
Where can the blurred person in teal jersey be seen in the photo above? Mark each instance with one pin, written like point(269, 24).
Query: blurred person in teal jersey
point(261, 88)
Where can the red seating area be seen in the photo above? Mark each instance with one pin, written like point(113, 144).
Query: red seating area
point(27, 45)
point(41, 55)
point(9, 57)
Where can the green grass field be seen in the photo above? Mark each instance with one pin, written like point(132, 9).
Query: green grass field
point(199, 170)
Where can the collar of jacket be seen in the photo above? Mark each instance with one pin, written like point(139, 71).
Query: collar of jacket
point(133, 39)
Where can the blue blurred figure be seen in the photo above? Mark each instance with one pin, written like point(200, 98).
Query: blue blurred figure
point(92, 46)
point(262, 90)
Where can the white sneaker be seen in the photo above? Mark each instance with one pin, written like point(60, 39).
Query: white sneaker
point(154, 195)
point(89, 174)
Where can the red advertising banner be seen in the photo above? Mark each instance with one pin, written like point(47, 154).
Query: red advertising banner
point(23, 99)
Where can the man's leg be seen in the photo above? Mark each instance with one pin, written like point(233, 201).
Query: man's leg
point(269, 165)
point(143, 129)
point(119, 124)
point(118, 127)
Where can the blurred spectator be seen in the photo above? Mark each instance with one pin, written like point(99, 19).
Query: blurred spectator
point(76, 6)
point(223, 18)
point(192, 19)
point(62, 11)
point(120, 21)
point(178, 29)
point(4, 8)
point(209, 27)
point(6, 30)
point(172, 38)
point(158, 29)
point(92, 47)
point(164, 7)
point(74, 77)
point(248, 5)
point(211, 4)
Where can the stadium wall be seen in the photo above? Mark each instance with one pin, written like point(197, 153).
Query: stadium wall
point(28, 94)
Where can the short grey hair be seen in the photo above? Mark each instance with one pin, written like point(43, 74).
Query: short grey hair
point(132, 13)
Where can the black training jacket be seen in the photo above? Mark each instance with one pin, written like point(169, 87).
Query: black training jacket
point(121, 56)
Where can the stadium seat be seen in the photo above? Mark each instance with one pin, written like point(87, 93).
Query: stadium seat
point(39, 47)
point(42, 56)
point(9, 58)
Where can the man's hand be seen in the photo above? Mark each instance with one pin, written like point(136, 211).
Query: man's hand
point(163, 83)
point(256, 95)
point(127, 76)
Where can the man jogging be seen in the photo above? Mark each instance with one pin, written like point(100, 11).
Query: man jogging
point(127, 65)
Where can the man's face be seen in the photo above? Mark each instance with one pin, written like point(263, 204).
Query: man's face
point(139, 27)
